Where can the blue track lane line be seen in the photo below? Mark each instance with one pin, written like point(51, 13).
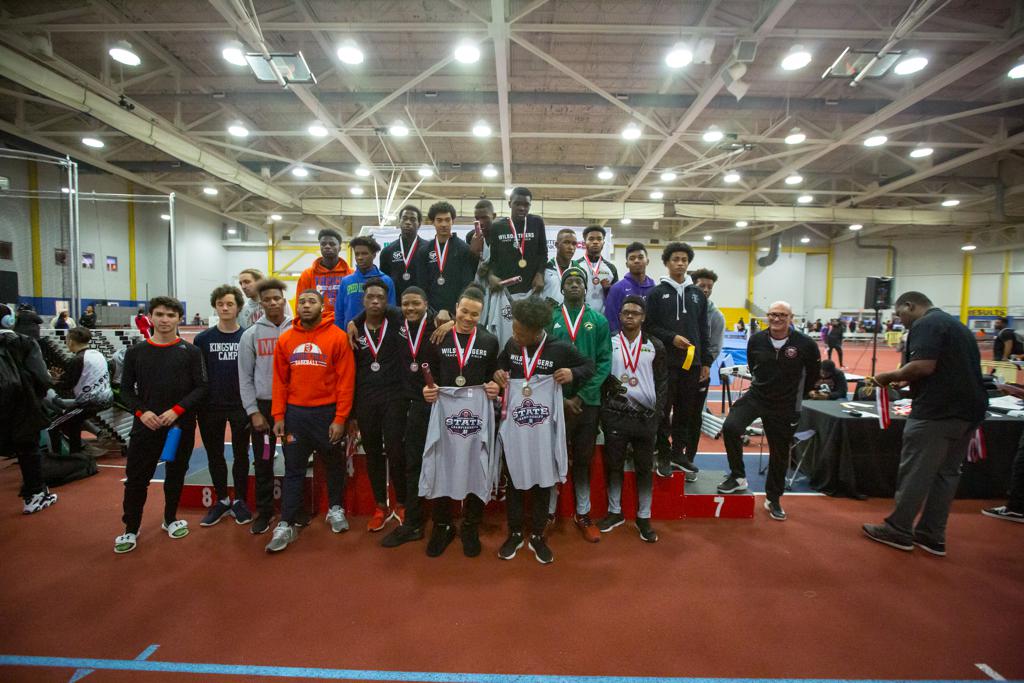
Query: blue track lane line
point(141, 657)
point(367, 675)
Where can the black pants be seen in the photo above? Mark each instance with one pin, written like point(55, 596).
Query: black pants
point(779, 427)
point(30, 461)
point(1016, 500)
point(581, 437)
point(307, 432)
point(515, 504)
point(682, 409)
point(838, 348)
point(620, 432)
point(695, 419)
point(211, 429)
point(417, 418)
point(472, 511)
point(382, 427)
point(264, 469)
point(144, 448)
point(69, 425)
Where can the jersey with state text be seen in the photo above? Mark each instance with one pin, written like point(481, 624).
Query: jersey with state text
point(533, 434)
point(459, 456)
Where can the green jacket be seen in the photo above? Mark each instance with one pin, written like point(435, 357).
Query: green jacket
point(594, 341)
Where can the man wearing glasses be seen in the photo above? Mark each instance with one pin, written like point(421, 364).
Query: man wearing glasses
point(784, 365)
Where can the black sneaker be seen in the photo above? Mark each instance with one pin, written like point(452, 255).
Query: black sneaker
point(930, 546)
point(240, 511)
point(775, 510)
point(403, 534)
point(685, 465)
point(215, 513)
point(302, 518)
point(511, 546)
point(646, 532)
point(663, 468)
point(470, 540)
point(883, 534)
point(261, 524)
point(1003, 512)
point(440, 537)
point(610, 521)
point(732, 484)
point(541, 550)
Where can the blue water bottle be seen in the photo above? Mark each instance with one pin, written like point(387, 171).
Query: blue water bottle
point(171, 444)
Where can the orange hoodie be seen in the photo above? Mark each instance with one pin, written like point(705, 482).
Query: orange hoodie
point(325, 280)
point(313, 368)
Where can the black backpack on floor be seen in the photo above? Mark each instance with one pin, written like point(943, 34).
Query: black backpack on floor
point(63, 469)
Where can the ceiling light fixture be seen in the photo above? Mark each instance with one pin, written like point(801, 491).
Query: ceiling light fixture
point(1017, 71)
point(805, 240)
point(713, 134)
point(707, 238)
point(921, 152)
point(794, 179)
point(238, 130)
point(425, 172)
point(668, 176)
point(910, 64)
point(606, 173)
point(742, 224)
point(122, 52)
point(357, 191)
point(490, 172)
point(481, 129)
point(679, 56)
point(632, 132)
point(349, 53)
point(657, 194)
point(950, 203)
point(234, 54)
point(625, 221)
point(300, 172)
point(165, 216)
point(210, 191)
point(856, 226)
point(317, 130)
point(876, 139)
point(467, 53)
point(795, 137)
point(311, 231)
point(398, 129)
point(969, 247)
point(805, 199)
point(95, 143)
point(275, 217)
point(362, 172)
point(731, 177)
point(508, 191)
point(797, 58)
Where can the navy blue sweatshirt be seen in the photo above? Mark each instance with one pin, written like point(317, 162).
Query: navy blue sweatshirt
point(220, 359)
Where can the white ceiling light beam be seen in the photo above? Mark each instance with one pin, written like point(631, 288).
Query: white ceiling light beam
point(499, 35)
point(527, 10)
point(412, 83)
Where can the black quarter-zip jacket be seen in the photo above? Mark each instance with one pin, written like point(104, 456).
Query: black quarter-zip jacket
point(783, 377)
point(681, 311)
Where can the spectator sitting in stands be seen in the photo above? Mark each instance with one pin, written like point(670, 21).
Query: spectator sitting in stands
point(197, 321)
point(831, 383)
point(63, 322)
point(88, 319)
point(83, 389)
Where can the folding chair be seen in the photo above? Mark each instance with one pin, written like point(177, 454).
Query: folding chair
point(799, 439)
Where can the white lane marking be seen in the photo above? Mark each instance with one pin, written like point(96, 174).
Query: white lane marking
point(990, 672)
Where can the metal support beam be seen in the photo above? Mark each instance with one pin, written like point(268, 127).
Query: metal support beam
point(499, 35)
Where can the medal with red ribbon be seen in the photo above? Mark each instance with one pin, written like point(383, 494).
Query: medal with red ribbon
point(630, 358)
point(463, 356)
point(593, 268)
point(530, 365)
point(573, 327)
point(407, 258)
point(520, 240)
point(414, 347)
point(442, 258)
point(375, 347)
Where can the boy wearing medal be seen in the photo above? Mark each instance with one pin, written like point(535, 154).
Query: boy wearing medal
point(600, 271)
point(398, 259)
point(518, 246)
point(446, 266)
point(587, 330)
point(378, 400)
point(565, 249)
point(632, 407)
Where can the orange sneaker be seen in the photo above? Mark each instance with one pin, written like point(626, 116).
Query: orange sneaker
point(376, 523)
point(590, 532)
point(399, 513)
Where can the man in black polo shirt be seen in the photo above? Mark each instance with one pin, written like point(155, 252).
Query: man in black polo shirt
point(1006, 345)
point(942, 365)
point(518, 245)
point(398, 259)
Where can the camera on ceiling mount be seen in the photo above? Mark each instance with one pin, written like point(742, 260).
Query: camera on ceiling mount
point(125, 104)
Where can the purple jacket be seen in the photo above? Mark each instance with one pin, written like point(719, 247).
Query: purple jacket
point(620, 290)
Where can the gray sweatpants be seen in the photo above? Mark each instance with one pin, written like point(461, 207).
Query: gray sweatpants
point(933, 451)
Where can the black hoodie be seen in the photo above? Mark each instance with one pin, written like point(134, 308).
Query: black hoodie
point(679, 309)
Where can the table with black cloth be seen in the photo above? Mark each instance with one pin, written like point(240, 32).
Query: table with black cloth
point(854, 456)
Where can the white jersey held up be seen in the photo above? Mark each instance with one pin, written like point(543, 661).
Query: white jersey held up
point(533, 433)
point(459, 456)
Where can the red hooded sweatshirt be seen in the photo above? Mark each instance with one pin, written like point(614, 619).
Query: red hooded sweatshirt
point(313, 368)
point(325, 280)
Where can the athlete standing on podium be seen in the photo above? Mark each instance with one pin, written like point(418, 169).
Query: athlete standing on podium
point(447, 266)
point(399, 258)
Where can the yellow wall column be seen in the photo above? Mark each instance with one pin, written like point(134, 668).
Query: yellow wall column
point(133, 293)
point(1004, 300)
point(965, 289)
point(33, 218)
point(270, 251)
point(751, 259)
point(828, 277)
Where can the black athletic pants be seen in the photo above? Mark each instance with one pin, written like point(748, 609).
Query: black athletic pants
point(581, 437)
point(264, 469)
point(621, 431)
point(30, 461)
point(695, 419)
point(417, 418)
point(838, 349)
point(144, 448)
point(515, 504)
point(779, 428)
point(1016, 500)
point(69, 424)
point(382, 428)
point(472, 511)
point(307, 428)
point(211, 429)
point(682, 409)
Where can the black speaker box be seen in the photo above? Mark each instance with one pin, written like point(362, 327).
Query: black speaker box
point(878, 293)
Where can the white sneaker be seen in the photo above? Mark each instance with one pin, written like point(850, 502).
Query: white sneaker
point(284, 534)
point(336, 518)
point(39, 501)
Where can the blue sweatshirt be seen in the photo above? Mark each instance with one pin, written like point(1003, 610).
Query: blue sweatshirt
point(220, 358)
point(619, 291)
point(350, 298)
